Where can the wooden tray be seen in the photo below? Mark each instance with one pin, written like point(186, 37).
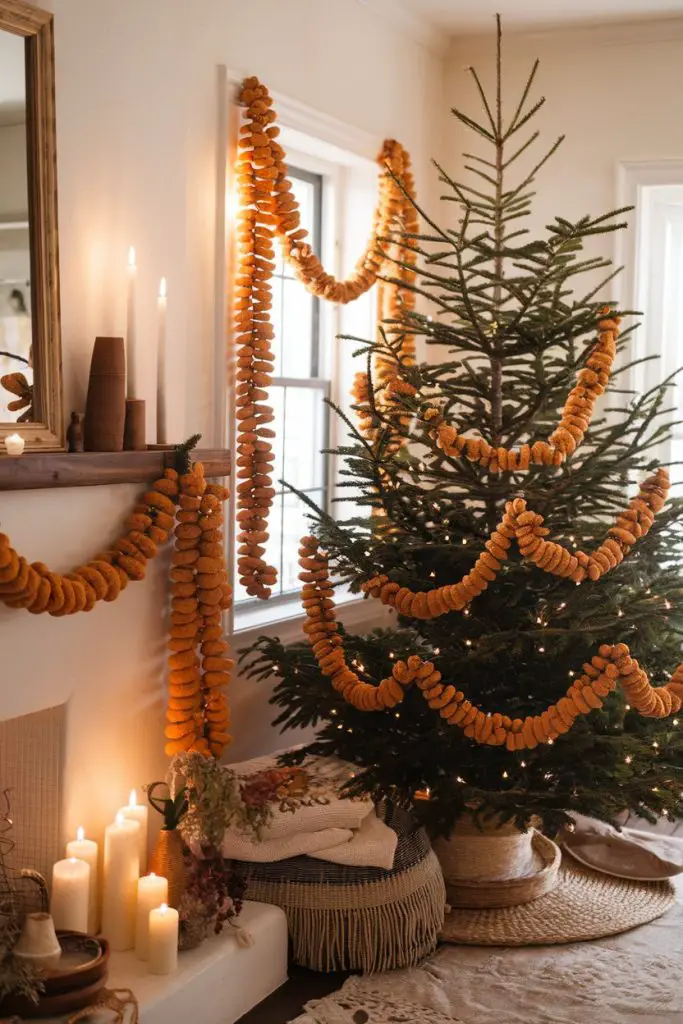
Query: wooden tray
point(67, 991)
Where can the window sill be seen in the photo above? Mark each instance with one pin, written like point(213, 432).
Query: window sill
point(353, 611)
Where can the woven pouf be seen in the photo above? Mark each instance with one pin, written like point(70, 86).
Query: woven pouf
point(347, 919)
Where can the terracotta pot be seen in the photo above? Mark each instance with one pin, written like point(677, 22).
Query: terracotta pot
point(168, 861)
point(105, 410)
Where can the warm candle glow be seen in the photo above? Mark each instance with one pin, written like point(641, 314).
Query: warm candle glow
point(80, 833)
point(14, 444)
point(163, 291)
point(133, 799)
point(120, 819)
point(163, 909)
point(131, 257)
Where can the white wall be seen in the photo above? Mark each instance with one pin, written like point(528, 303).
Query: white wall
point(136, 101)
point(13, 184)
point(614, 91)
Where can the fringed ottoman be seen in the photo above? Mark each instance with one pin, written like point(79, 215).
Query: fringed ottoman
point(348, 918)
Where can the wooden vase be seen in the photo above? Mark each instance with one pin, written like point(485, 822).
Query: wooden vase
point(168, 861)
point(105, 410)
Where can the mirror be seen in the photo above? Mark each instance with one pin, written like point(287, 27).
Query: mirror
point(30, 349)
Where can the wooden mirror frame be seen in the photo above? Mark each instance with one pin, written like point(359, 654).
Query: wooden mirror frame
point(46, 432)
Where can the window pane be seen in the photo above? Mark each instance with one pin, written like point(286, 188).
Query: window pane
point(297, 330)
point(305, 419)
point(295, 526)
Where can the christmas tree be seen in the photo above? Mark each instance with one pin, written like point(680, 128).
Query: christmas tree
point(493, 515)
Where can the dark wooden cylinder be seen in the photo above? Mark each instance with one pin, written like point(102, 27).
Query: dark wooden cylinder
point(134, 432)
point(105, 410)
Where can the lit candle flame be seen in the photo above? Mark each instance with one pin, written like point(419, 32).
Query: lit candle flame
point(162, 288)
point(120, 819)
point(133, 799)
point(131, 257)
point(163, 908)
point(80, 833)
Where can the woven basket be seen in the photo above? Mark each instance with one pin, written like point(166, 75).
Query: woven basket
point(489, 864)
point(167, 860)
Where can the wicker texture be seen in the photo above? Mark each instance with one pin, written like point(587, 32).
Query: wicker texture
point(506, 891)
point(584, 905)
point(167, 860)
point(369, 919)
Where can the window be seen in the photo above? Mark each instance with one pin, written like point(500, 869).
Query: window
point(336, 192)
point(656, 291)
point(297, 397)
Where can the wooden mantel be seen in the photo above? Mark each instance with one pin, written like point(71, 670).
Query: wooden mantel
point(37, 470)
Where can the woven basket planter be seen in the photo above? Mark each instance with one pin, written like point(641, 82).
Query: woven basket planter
point(490, 865)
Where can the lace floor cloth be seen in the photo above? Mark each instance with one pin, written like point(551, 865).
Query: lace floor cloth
point(634, 978)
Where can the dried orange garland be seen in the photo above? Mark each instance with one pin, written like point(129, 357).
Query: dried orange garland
point(197, 713)
point(612, 665)
point(34, 587)
point(268, 209)
point(526, 527)
point(592, 382)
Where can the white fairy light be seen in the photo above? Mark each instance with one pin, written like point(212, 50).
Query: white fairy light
point(562, 606)
point(655, 745)
point(550, 742)
point(437, 650)
point(468, 643)
point(571, 674)
point(340, 726)
point(627, 707)
point(466, 613)
point(620, 614)
point(505, 775)
point(675, 721)
point(432, 575)
point(447, 538)
point(541, 650)
point(522, 764)
point(464, 540)
point(667, 605)
point(333, 711)
point(460, 780)
point(628, 759)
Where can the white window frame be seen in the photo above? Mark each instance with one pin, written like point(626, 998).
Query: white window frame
point(316, 142)
point(635, 183)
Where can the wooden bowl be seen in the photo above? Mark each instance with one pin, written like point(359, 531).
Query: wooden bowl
point(53, 1005)
point(77, 985)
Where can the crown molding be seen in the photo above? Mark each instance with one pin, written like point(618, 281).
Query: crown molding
point(589, 34)
point(421, 30)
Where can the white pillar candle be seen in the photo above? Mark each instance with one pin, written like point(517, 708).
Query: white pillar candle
point(131, 381)
point(138, 812)
point(152, 892)
point(14, 444)
point(120, 890)
point(87, 850)
point(163, 940)
point(161, 366)
point(70, 889)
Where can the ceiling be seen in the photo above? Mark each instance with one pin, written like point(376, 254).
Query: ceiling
point(466, 17)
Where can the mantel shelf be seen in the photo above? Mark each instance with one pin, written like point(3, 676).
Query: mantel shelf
point(36, 471)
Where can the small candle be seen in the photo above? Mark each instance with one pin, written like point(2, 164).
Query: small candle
point(120, 890)
point(14, 444)
point(163, 940)
point(70, 889)
point(138, 812)
point(161, 365)
point(152, 892)
point(131, 385)
point(87, 850)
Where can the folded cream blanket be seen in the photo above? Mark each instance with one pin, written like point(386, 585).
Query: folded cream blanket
point(305, 798)
point(630, 853)
point(309, 815)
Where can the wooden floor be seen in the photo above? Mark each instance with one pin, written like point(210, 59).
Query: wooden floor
point(288, 1002)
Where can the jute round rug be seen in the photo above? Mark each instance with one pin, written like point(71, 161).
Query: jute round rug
point(585, 905)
